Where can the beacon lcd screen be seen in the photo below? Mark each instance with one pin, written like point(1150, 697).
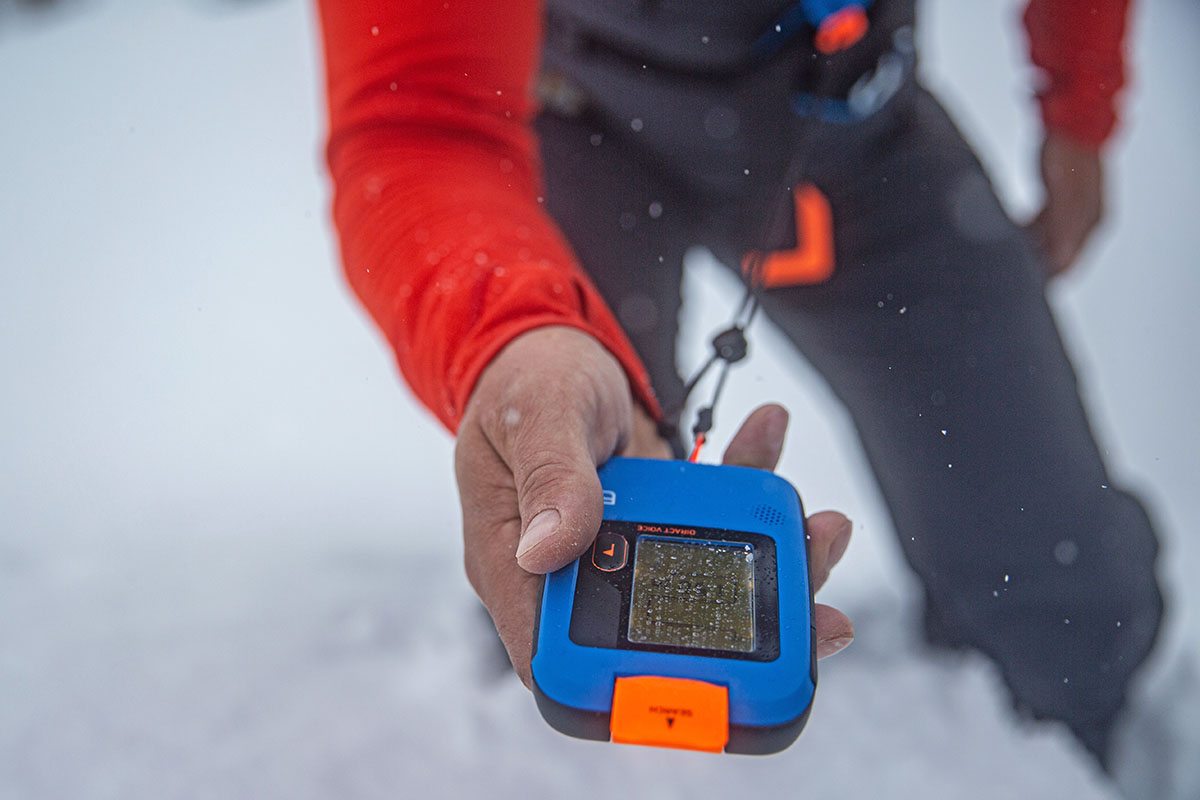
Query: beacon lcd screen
point(693, 594)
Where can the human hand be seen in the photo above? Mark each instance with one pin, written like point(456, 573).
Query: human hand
point(548, 409)
point(1073, 176)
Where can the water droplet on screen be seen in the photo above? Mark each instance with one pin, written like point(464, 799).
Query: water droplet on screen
point(636, 123)
point(655, 210)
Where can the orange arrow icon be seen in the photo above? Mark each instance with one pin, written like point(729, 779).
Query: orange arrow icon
point(612, 548)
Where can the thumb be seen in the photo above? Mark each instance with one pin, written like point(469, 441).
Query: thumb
point(553, 405)
point(559, 497)
point(551, 440)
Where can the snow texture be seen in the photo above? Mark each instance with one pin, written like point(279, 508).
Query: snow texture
point(229, 555)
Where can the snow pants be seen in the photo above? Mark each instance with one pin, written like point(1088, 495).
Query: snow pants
point(935, 333)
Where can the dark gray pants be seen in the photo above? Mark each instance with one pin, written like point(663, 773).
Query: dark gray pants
point(935, 320)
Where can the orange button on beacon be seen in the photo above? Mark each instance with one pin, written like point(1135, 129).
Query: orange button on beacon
point(670, 712)
point(610, 551)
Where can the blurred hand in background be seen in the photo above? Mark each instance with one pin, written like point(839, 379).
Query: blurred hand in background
point(1073, 177)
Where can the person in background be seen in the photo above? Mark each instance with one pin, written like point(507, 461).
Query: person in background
point(523, 256)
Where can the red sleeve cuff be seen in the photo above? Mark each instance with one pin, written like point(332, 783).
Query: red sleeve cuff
point(1079, 47)
point(1090, 125)
point(522, 298)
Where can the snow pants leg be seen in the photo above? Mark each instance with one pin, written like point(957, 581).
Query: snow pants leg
point(935, 334)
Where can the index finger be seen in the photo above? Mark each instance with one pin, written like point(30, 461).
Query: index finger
point(491, 530)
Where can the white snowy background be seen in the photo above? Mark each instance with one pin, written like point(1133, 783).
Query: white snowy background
point(229, 538)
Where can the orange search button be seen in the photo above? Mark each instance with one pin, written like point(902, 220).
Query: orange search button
point(670, 712)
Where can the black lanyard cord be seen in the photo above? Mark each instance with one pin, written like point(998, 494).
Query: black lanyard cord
point(730, 345)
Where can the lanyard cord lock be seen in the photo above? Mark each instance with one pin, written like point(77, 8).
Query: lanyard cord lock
point(729, 347)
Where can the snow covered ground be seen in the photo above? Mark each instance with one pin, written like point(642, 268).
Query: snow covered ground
point(229, 556)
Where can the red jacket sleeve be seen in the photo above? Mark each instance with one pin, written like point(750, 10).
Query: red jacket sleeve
point(1079, 46)
point(436, 189)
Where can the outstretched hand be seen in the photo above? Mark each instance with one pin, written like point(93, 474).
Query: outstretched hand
point(551, 407)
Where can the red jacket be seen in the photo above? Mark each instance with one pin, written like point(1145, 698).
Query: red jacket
point(437, 179)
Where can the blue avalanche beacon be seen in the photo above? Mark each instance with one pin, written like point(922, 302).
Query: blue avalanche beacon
point(689, 622)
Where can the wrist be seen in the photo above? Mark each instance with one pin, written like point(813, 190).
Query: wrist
point(555, 377)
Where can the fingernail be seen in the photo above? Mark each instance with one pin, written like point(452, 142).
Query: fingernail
point(777, 426)
point(828, 647)
point(542, 525)
point(841, 540)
